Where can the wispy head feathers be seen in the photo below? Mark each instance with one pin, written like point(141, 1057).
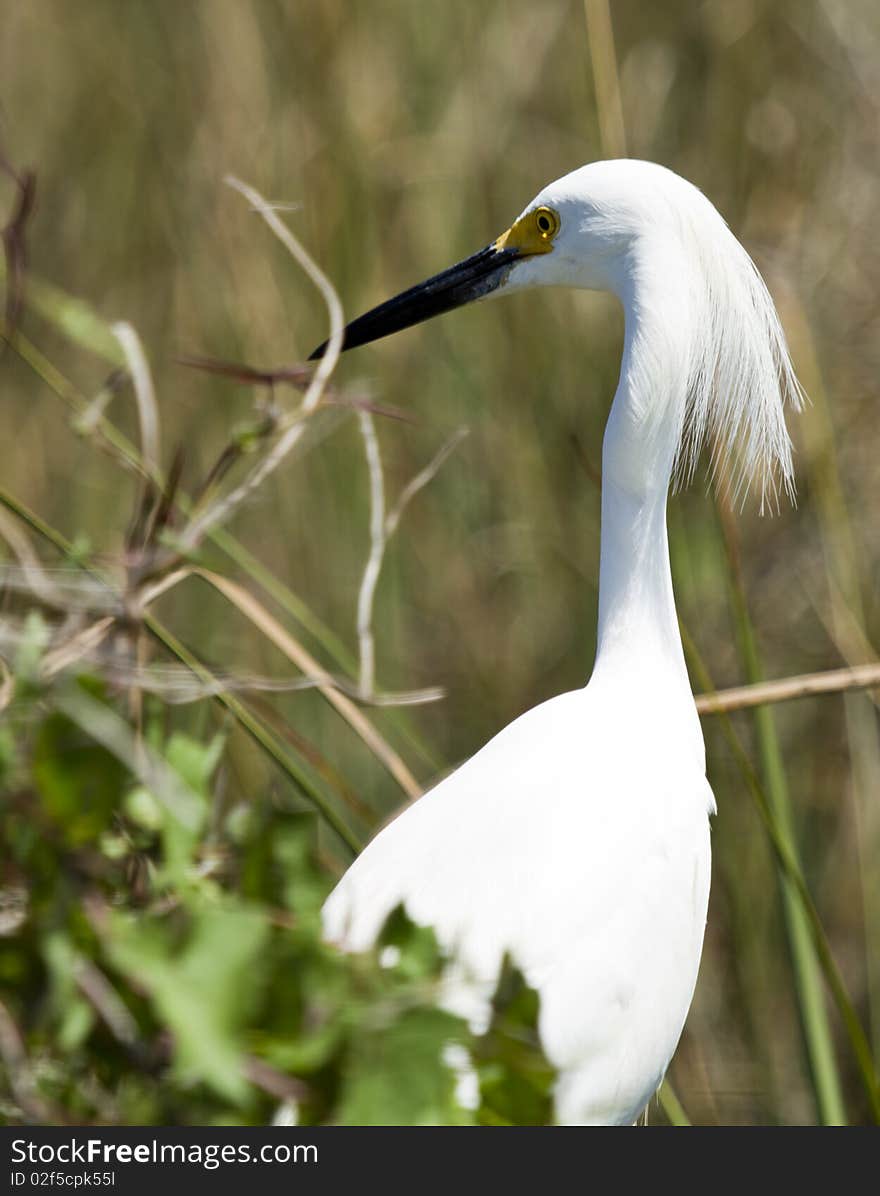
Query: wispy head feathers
point(740, 372)
point(707, 334)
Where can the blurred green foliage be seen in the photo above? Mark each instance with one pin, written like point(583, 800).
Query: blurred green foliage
point(408, 134)
point(166, 976)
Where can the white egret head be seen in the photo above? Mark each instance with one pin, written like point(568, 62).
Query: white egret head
point(713, 364)
point(593, 228)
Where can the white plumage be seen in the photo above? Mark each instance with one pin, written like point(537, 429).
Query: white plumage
point(578, 838)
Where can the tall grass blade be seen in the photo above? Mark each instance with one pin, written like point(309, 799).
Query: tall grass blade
point(827, 1087)
point(842, 556)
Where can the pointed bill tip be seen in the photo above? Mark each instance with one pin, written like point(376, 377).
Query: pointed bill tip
point(471, 279)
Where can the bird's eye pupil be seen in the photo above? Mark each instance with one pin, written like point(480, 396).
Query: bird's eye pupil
point(544, 223)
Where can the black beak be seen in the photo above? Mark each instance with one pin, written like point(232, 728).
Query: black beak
point(474, 278)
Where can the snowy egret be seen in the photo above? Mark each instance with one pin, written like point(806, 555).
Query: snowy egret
point(578, 838)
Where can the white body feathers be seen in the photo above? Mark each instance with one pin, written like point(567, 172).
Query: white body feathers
point(588, 861)
point(578, 838)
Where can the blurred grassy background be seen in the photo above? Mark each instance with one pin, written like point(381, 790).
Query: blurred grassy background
point(409, 135)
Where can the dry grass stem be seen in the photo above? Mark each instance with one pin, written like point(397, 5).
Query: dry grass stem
point(88, 423)
point(34, 577)
point(67, 590)
point(292, 428)
point(412, 488)
point(382, 528)
point(7, 685)
point(743, 697)
point(145, 396)
point(18, 1069)
point(77, 647)
point(147, 594)
point(98, 990)
point(600, 35)
point(366, 641)
point(303, 659)
point(112, 657)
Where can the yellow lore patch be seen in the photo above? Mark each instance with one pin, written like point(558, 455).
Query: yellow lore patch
point(532, 233)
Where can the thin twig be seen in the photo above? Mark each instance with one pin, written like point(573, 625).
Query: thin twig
point(7, 685)
point(14, 239)
point(743, 697)
point(87, 423)
point(298, 376)
point(276, 1083)
point(175, 684)
point(67, 590)
point(77, 647)
point(145, 396)
point(148, 594)
point(366, 641)
point(412, 488)
point(18, 1070)
point(382, 528)
point(36, 578)
point(292, 429)
point(112, 1010)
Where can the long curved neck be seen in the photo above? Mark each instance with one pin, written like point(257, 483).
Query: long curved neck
point(639, 647)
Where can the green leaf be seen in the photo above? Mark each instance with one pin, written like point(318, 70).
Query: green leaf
point(142, 807)
point(202, 990)
point(419, 955)
point(194, 762)
point(8, 755)
point(79, 781)
point(516, 1080)
point(396, 1073)
point(304, 887)
point(73, 1016)
point(33, 644)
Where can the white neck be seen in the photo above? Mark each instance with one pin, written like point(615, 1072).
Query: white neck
point(637, 618)
point(639, 649)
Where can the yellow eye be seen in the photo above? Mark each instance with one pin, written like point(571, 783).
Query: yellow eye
point(547, 223)
point(532, 233)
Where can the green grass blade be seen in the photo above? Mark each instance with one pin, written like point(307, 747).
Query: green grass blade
point(671, 1105)
point(827, 1088)
point(843, 555)
point(790, 867)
